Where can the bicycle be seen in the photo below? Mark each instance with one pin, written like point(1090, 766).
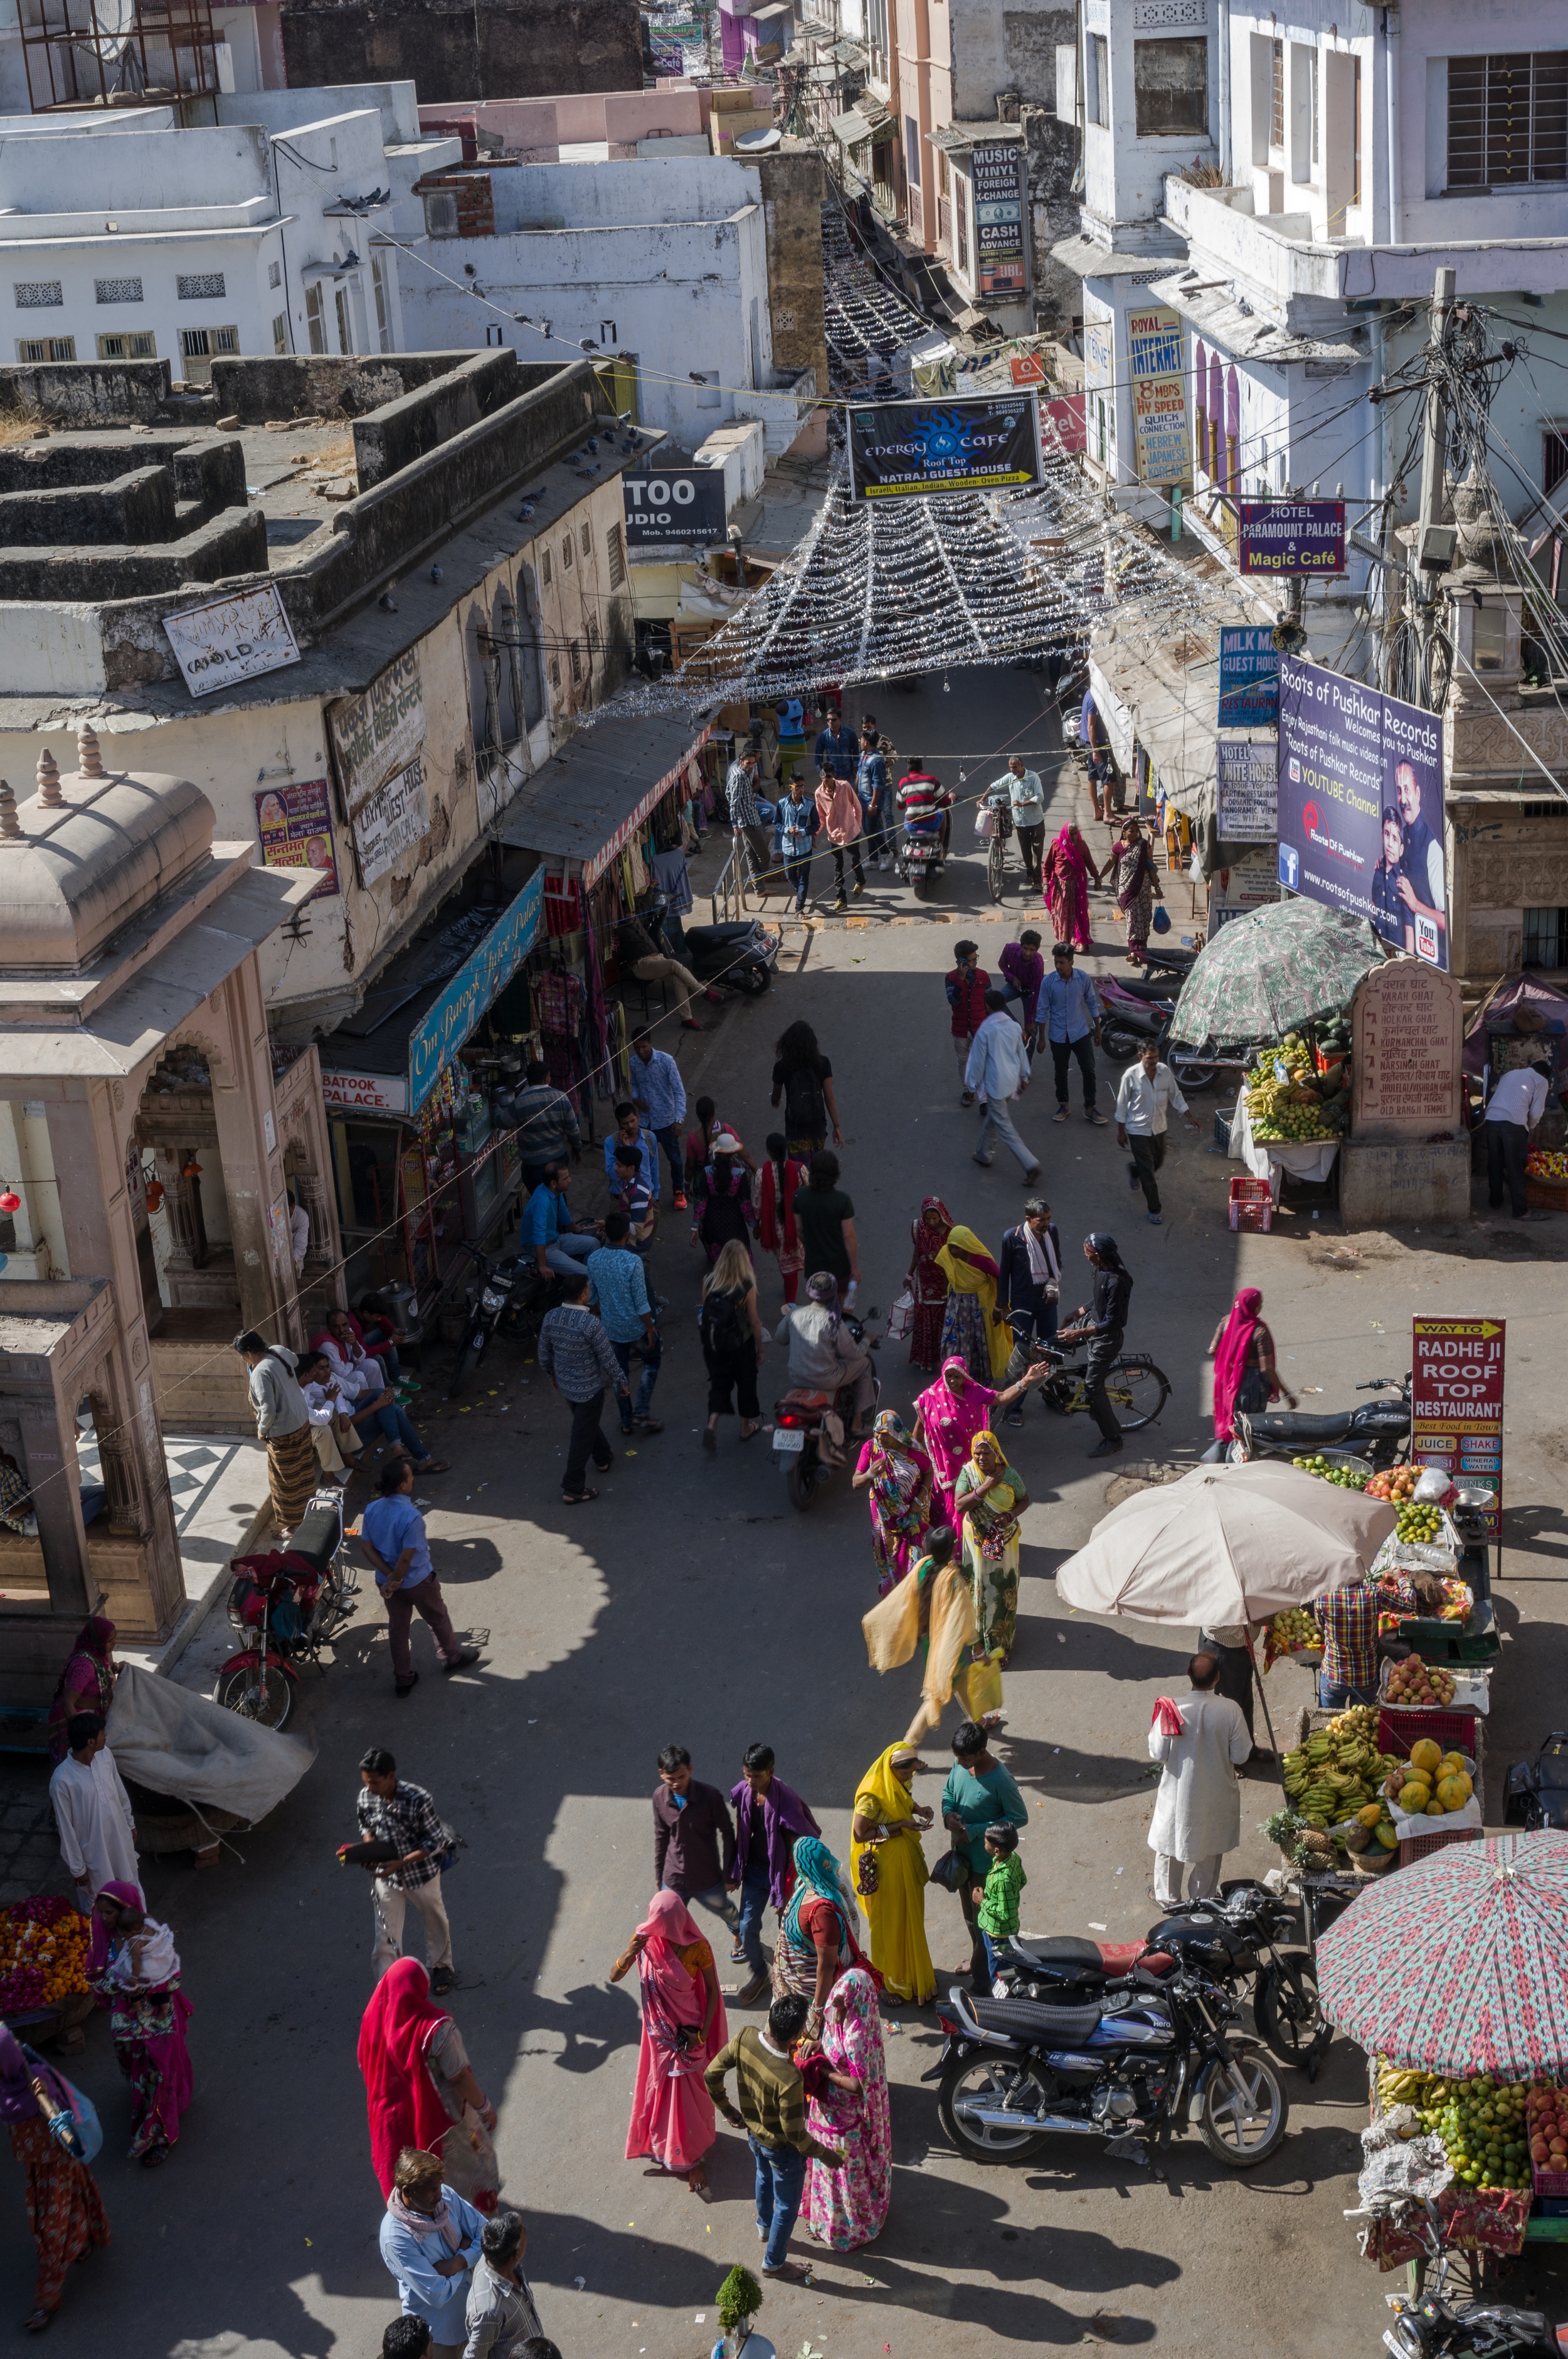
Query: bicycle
point(996, 858)
point(1131, 1385)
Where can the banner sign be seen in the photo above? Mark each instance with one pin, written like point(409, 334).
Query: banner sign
point(1067, 415)
point(1155, 354)
point(1456, 1404)
point(365, 1092)
point(1249, 883)
point(396, 818)
point(910, 450)
point(378, 734)
point(1248, 676)
point(295, 829)
point(1028, 368)
point(999, 266)
point(685, 505)
point(466, 996)
point(1360, 823)
point(1248, 790)
point(1290, 535)
point(232, 638)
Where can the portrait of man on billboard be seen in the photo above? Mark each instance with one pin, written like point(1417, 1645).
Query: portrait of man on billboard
point(1387, 906)
point(1421, 883)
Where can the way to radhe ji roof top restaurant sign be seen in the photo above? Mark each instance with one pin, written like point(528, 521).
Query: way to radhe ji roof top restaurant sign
point(909, 450)
point(1290, 535)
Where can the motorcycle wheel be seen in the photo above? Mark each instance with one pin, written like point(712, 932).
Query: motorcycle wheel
point(752, 980)
point(265, 1696)
point(471, 1348)
point(1137, 1396)
point(1118, 1043)
point(1289, 2014)
point(801, 1482)
point(1244, 2112)
point(922, 886)
point(987, 2081)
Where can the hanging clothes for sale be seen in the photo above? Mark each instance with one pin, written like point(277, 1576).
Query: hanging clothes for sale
point(673, 881)
point(561, 1003)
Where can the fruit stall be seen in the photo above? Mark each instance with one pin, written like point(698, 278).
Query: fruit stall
point(1292, 1114)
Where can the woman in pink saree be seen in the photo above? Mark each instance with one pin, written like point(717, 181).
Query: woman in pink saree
point(682, 2030)
point(133, 1967)
point(951, 1412)
point(1068, 868)
point(847, 2109)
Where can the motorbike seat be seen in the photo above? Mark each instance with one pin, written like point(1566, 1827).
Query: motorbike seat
point(1290, 1425)
point(721, 936)
point(1059, 1949)
point(813, 1402)
point(1157, 995)
point(1029, 2018)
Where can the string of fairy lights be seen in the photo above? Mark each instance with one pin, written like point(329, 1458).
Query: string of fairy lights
point(862, 315)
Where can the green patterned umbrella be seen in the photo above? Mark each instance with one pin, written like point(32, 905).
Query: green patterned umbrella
point(1267, 974)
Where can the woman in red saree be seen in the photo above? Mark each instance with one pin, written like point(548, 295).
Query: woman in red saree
point(86, 1684)
point(928, 1282)
point(1068, 868)
point(1245, 1375)
point(682, 2030)
point(418, 2083)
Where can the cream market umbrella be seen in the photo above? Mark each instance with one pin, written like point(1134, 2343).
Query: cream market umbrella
point(1226, 1544)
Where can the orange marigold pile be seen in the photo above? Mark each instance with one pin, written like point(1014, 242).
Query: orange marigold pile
point(43, 1954)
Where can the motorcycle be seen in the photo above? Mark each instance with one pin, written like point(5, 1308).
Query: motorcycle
point(921, 856)
point(1427, 2325)
point(1136, 1011)
point(1238, 1936)
point(1538, 1789)
point(504, 1298)
point(738, 956)
point(1117, 2060)
point(800, 1432)
point(1380, 1432)
point(287, 1604)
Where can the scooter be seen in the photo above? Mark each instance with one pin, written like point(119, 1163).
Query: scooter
point(1380, 1432)
point(1427, 2325)
point(922, 855)
point(504, 1298)
point(738, 956)
point(800, 1436)
point(1133, 1015)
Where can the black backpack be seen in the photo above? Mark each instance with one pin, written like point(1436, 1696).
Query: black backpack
point(721, 1320)
point(806, 1108)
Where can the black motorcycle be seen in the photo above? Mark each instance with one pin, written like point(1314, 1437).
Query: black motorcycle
point(1429, 2326)
point(1380, 1432)
point(1538, 1789)
point(739, 956)
point(1238, 1937)
point(1122, 2060)
point(504, 1298)
point(800, 1439)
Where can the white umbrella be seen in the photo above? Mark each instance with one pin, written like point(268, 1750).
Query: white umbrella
point(1226, 1544)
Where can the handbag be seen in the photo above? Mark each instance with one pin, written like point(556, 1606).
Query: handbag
point(74, 2126)
point(1160, 921)
point(985, 822)
point(867, 1875)
point(901, 1318)
point(952, 1871)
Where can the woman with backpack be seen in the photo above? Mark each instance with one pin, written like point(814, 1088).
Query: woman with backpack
point(803, 1082)
point(722, 1211)
point(731, 1332)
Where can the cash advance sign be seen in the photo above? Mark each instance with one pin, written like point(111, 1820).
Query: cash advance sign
point(909, 450)
point(1361, 806)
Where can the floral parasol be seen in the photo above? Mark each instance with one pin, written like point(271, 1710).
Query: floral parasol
point(1273, 969)
point(1456, 1965)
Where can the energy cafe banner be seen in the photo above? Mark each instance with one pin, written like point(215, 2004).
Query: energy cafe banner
point(911, 450)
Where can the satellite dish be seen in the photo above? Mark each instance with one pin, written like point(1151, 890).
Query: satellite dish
point(756, 143)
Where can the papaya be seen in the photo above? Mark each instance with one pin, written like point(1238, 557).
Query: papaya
point(1369, 1816)
point(1383, 1832)
point(1426, 1755)
point(1414, 1796)
point(1452, 1792)
point(1454, 1764)
point(1434, 1810)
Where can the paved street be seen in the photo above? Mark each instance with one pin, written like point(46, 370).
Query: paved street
point(692, 1603)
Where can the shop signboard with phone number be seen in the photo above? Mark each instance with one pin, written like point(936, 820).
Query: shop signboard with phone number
point(1456, 1404)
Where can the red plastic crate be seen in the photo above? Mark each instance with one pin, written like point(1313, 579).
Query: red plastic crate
point(1251, 1204)
point(1418, 1846)
point(1451, 1732)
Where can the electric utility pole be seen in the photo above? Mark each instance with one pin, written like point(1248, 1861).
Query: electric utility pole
point(1434, 451)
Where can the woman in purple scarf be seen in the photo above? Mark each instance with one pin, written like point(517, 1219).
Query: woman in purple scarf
point(769, 1817)
point(65, 2210)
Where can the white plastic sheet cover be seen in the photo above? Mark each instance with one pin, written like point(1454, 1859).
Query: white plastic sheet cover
point(177, 1742)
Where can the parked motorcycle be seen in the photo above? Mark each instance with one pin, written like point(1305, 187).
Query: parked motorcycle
point(505, 1298)
point(286, 1604)
point(1380, 1432)
point(1136, 1011)
point(1236, 1936)
point(799, 1432)
point(1131, 2057)
point(738, 956)
point(1427, 2325)
point(1538, 1789)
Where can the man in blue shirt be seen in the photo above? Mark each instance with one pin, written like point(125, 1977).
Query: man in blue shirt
point(629, 1131)
point(1027, 796)
point(660, 1095)
point(875, 789)
point(980, 1792)
point(838, 746)
point(618, 1291)
point(559, 1244)
point(392, 1535)
point(1069, 1009)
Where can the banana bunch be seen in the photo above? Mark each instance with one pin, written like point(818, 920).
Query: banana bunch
point(1336, 1773)
point(1399, 2086)
point(1359, 1723)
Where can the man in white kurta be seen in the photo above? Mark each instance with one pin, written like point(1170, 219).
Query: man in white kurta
point(1197, 1810)
point(92, 1811)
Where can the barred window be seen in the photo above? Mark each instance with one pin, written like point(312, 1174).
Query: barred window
point(544, 567)
point(586, 541)
point(554, 671)
point(118, 290)
point(46, 348)
point(1508, 119)
point(280, 333)
point(274, 274)
point(127, 348)
point(39, 294)
point(201, 285)
point(617, 552)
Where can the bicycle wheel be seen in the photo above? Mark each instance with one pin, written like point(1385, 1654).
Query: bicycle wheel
point(996, 866)
point(1137, 1394)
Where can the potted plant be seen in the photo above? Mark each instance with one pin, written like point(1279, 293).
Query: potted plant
point(740, 2298)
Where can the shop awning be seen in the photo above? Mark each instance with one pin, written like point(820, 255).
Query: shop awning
point(417, 1014)
point(587, 800)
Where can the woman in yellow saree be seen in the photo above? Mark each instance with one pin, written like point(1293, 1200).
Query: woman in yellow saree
point(886, 1831)
point(971, 1330)
point(934, 1611)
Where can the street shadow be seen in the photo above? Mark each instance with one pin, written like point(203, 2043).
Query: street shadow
point(1064, 1774)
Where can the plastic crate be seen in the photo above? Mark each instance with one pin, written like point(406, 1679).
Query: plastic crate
point(1222, 1133)
point(1398, 1728)
point(1251, 1204)
point(1418, 1846)
point(1476, 1641)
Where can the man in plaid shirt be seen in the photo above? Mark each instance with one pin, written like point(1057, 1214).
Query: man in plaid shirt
point(391, 1810)
point(576, 1354)
point(1349, 1619)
